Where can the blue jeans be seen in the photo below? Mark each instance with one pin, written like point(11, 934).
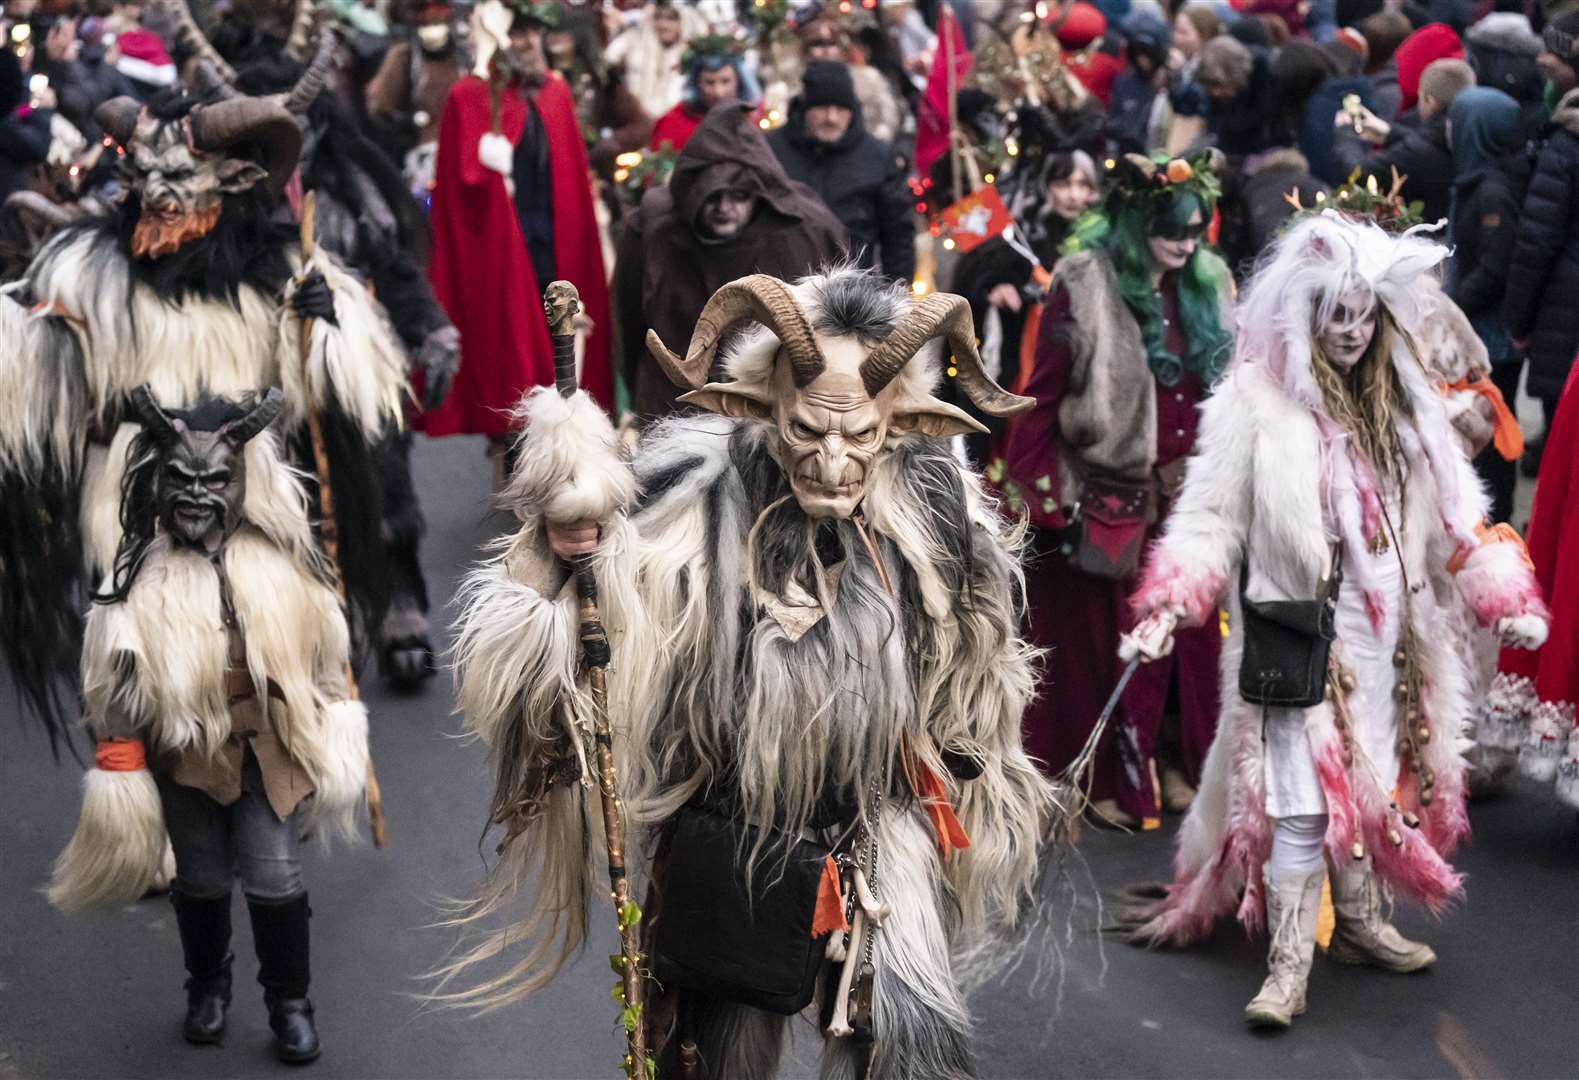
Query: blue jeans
point(214, 844)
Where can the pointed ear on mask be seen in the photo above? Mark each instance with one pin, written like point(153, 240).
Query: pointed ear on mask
point(236, 175)
point(732, 399)
point(939, 419)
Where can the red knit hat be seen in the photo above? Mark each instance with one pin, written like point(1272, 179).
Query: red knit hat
point(1080, 25)
point(1421, 49)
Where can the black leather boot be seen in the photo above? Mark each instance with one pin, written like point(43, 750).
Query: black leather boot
point(279, 931)
point(204, 926)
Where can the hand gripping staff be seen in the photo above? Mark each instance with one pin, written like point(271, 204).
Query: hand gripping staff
point(561, 305)
point(327, 526)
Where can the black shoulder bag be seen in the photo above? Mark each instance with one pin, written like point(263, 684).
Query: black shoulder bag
point(1286, 644)
point(715, 935)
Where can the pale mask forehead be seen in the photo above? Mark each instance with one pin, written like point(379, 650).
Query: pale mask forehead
point(839, 388)
point(1350, 309)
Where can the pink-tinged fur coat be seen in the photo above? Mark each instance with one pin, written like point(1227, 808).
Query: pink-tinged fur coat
point(1254, 491)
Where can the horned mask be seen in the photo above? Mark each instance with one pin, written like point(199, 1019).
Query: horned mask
point(182, 167)
point(201, 481)
point(836, 397)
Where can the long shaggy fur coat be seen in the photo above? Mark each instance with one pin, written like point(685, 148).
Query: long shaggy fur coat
point(154, 670)
point(713, 696)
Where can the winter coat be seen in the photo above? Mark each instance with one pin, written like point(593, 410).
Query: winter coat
point(1542, 302)
point(862, 179)
point(1420, 154)
point(1324, 144)
point(1238, 127)
point(666, 269)
point(1483, 225)
point(24, 143)
point(1252, 219)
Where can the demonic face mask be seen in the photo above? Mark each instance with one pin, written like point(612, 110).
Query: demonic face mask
point(1347, 332)
point(202, 478)
point(181, 190)
point(834, 399)
point(182, 169)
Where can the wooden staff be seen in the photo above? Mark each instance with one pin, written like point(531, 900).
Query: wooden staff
point(330, 529)
point(561, 304)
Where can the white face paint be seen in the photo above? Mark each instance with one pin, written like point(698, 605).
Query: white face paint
point(1347, 333)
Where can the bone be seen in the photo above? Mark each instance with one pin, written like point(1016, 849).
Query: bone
point(875, 910)
point(839, 1026)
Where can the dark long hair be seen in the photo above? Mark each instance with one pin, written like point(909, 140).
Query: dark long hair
point(139, 517)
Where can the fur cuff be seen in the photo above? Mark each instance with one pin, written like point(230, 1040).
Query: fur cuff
point(1496, 584)
point(117, 852)
point(1167, 584)
point(339, 774)
point(569, 467)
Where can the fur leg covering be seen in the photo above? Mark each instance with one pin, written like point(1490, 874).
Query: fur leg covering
point(918, 1012)
point(568, 465)
point(737, 1041)
point(118, 849)
point(339, 771)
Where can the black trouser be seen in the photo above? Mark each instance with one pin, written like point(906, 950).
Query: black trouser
point(1502, 476)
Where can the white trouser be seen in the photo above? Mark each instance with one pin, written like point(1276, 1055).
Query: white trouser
point(1297, 843)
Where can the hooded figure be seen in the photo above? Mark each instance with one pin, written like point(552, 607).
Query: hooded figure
point(681, 246)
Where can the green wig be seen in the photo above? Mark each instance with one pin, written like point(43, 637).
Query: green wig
point(1122, 230)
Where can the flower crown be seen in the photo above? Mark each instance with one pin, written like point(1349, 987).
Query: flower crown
point(545, 12)
point(1366, 202)
point(1139, 180)
point(711, 45)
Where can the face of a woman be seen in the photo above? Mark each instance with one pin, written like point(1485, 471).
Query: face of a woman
point(1071, 196)
point(1346, 335)
point(1185, 37)
point(1172, 245)
point(666, 23)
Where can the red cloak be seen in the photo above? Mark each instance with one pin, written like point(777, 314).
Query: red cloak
point(480, 269)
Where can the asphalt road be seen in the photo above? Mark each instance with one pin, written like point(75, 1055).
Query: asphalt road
point(100, 996)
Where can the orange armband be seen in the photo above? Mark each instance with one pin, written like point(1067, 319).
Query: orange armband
point(120, 755)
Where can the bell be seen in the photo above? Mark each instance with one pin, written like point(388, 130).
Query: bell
point(1395, 838)
point(1401, 692)
point(1349, 682)
point(1400, 658)
point(1425, 797)
point(1358, 851)
point(1424, 734)
point(1411, 819)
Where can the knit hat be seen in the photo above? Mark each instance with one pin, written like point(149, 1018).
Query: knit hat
point(827, 82)
point(1082, 24)
point(1561, 38)
point(1432, 42)
point(144, 60)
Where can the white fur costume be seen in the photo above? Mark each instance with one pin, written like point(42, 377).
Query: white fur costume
point(714, 688)
point(94, 333)
point(1273, 486)
point(154, 670)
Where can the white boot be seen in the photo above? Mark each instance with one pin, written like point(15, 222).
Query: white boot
point(1362, 935)
point(1292, 901)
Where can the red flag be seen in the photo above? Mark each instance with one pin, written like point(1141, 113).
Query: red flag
point(976, 218)
point(950, 64)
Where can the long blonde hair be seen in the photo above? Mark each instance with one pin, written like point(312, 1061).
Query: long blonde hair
point(1366, 400)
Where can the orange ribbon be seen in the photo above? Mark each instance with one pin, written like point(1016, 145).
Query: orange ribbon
point(1506, 436)
point(829, 913)
point(120, 755)
point(1500, 533)
point(934, 800)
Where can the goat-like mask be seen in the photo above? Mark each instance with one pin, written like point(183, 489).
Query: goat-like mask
point(202, 479)
point(835, 400)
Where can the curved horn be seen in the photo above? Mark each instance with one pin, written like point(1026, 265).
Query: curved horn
point(758, 298)
point(151, 416)
point(310, 85)
point(258, 417)
point(118, 117)
point(188, 34)
point(301, 31)
point(948, 316)
point(264, 121)
point(32, 206)
point(210, 81)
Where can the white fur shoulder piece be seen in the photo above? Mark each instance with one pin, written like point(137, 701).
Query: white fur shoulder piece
point(569, 467)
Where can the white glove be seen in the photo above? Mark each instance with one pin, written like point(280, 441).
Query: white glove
point(496, 153)
point(1522, 631)
point(1152, 638)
